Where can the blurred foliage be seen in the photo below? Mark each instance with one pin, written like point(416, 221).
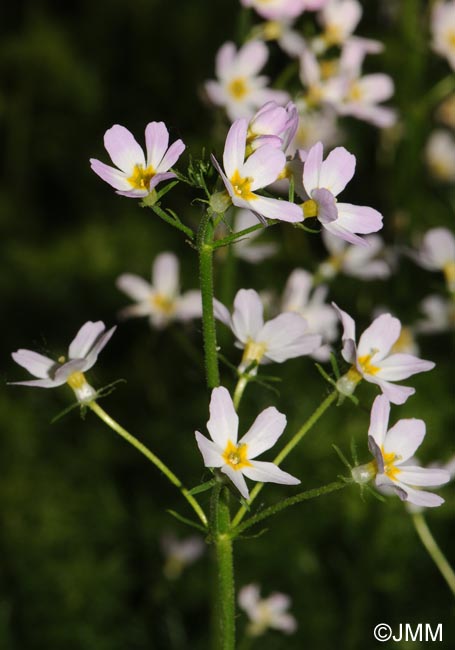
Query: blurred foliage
point(82, 514)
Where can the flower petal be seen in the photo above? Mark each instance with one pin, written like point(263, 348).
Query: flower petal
point(210, 451)
point(269, 473)
point(85, 339)
point(379, 419)
point(156, 143)
point(103, 340)
point(404, 438)
point(123, 149)
point(224, 422)
point(114, 177)
point(276, 209)
point(312, 168)
point(402, 366)
point(134, 286)
point(238, 479)
point(286, 337)
point(327, 205)
point(189, 305)
point(378, 338)
point(394, 393)
point(264, 166)
point(337, 170)
point(234, 148)
point(359, 218)
point(348, 338)
point(38, 383)
point(251, 58)
point(172, 155)
point(37, 364)
point(264, 432)
point(165, 274)
point(423, 476)
point(221, 312)
point(247, 318)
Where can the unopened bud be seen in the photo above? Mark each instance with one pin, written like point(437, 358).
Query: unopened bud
point(220, 202)
point(364, 473)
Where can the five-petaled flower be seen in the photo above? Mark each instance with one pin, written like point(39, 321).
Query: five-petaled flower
point(235, 458)
point(372, 361)
point(322, 182)
point(161, 301)
point(82, 355)
point(266, 613)
point(242, 178)
point(392, 450)
point(137, 175)
point(284, 337)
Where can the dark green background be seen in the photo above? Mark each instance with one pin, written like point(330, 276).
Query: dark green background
point(82, 513)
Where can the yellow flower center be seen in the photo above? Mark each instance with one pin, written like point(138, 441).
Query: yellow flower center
point(272, 29)
point(140, 178)
point(236, 456)
point(355, 93)
point(242, 186)
point(76, 380)
point(163, 303)
point(314, 96)
point(310, 208)
point(389, 468)
point(328, 69)
point(253, 352)
point(238, 88)
point(333, 35)
point(451, 38)
point(449, 273)
point(365, 364)
point(336, 261)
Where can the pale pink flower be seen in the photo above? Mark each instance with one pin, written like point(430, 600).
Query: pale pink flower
point(180, 553)
point(440, 155)
point(266, 613)
point(320, 88)
point(437, 253)
point(238, 88)
point(235, 458)
point(300, 297)
point(82, 355)
point(393, 448)
point(138, 174)
point(273, 125)
point(339, 18)
point(161, 300)
point(284, 337)
point(443, 30)
point(373, 361)
point(242, 178)
point(363, 262)
point(322, 182)
point(278, 9)
point(439, 313)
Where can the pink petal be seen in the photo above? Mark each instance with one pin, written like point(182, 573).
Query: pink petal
point(222, 312)
point(156, 142)
point(247, 318)
point(348, 338)
point(422, 498)
point(37, 364)
point(211, 453)
point(276, 209)
point(123, 149)
point(402, 366)
point(173, 154)
point(264, 432)
point(114, 177)
point(234, 148)
point(312, 168)
point(189, 306)
point(359, 218)
point(423, 476)
point(336, 229)
point(264, 166)
point(251, 58)
point(224, 422)
point(85, 339)
point(38, 383)
point(224, 59)
point(394, 393)
point(379, 420)
point(103, 340)
point(377, 339)
point(327, 205)
point(337, 170)
point(404, 438)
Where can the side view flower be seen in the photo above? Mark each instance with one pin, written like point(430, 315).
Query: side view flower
point(241, 178)
point(363, 262)
point(238, 88)
point(372, 360)
point(437, 253)
point(136, 174)
point(236, 458)
point(284, 337)
point(161, 300)
point(180, 553)
point(393, 448)
point(266, 613)
point(82, 354)
point(322, 182)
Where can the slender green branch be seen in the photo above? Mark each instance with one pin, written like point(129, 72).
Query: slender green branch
point(288, 448)
point(437, 93)
point(239, 389)
point(205, 248)
point(433, 549)
point(222, 538)
point(236, 235)
point(115, 426)
point(173, 222)
point(282, 505)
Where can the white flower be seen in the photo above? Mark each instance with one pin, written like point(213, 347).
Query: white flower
point(356, 261)
point(284, 337)
point(246, 248)
point(238, 88)
point(236, 458)
point(393, 448)
point(277, 9)
point(180, 553)
point(443, 30)
point(321, 318)
point(82, 354)
point(339, 19)
point(440, 155)
point(437, 253)
point(372, 360)
point(161, 301)
point(439, 315)
point(265, 613)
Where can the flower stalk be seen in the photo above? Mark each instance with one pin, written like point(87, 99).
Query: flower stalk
point(433, 549)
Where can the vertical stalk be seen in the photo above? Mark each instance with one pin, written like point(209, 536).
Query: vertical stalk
point(225, 600)
point(205, 248)
point(434, 551)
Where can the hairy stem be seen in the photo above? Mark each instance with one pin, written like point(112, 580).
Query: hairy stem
point(205, 248)
point(115, 426)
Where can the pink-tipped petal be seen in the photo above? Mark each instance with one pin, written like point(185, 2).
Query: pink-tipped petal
point(173, 154)
point(234, 148)
point(123, 149)
point(224, 422)
point(395, 394)
point(264, 432)
point(211, 453)
point(114, 177)
point(379, 420)
point(337, 170)
point(37, 364)
point(312, 168)
point(156, 142)
point(348, 337)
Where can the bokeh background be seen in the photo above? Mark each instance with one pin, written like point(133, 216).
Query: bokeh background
point(82, 513)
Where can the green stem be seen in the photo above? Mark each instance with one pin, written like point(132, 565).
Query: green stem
point(236, 235)
point(287, 449)
point(282, 505)
point(205, 248)
point(434, 551)
point(222, 538)
point(173, 222)
point(238, 392)
point(115, 426)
